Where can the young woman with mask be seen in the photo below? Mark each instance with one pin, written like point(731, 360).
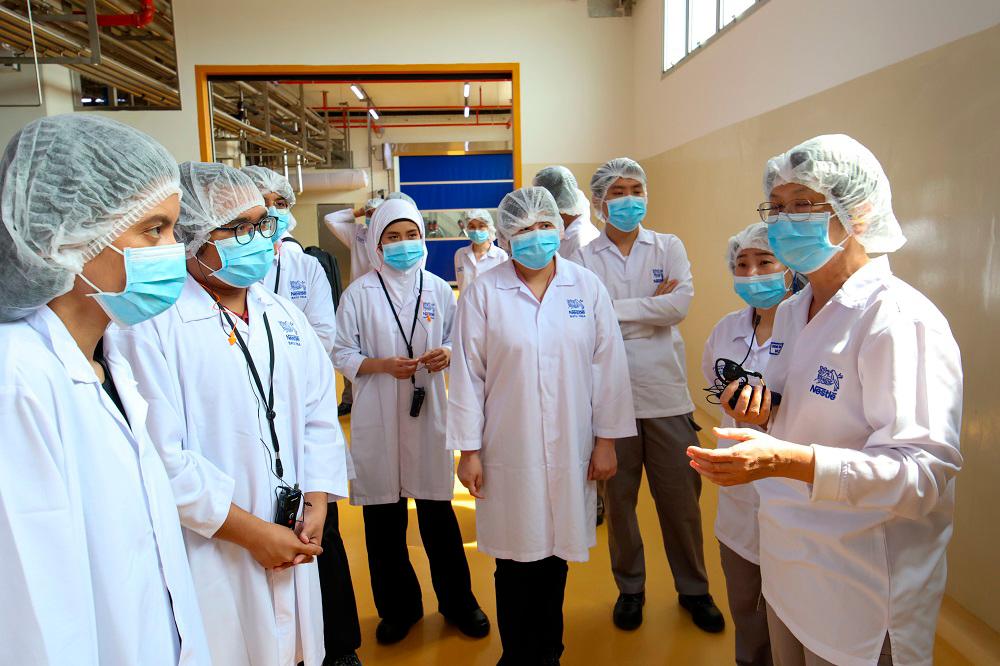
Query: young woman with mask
point(539, 392)
point(95, 570)
point(481, 254)
point(394, 342)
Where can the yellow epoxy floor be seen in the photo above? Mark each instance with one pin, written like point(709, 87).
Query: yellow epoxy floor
point(667, 635)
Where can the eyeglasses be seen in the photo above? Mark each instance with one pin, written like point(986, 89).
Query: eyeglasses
point(244, 232)
point(797, 211)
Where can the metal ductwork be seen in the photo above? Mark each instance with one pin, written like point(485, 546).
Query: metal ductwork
point(127, 45)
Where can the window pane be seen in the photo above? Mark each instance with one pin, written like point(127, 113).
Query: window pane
point(733, 8)
point(674, 31)
point(702, 22)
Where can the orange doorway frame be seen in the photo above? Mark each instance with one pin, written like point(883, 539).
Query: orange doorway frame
point(202, 73)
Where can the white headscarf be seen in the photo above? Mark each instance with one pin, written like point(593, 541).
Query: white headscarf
point(398, 283)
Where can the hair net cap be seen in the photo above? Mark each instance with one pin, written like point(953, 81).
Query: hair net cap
point(483, 215)
point(754, 236)
point(269, 181)
point(387, 213)
point(69, 186)
point(525, 207)
point(402, 196)
point(853, 182)
point(607, 174)
point(373, 204)
point(561, 184)
point(214, 195)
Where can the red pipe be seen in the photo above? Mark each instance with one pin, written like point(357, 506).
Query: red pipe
point(139, 19)
point(355, 126)
point(403, 108)
point(330, 82)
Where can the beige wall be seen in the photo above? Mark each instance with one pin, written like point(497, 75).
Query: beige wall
point(932, 121)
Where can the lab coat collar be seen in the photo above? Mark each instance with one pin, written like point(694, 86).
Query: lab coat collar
point(744, 331)
point(507, 278)
point(370, 281)
point(195, 303)
point(55, 333)
point(857, 291)
point(602, 242)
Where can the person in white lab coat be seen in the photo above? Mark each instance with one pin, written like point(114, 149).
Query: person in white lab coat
point(481, 254)
point(649, 278)
point(299, 278)
point(744, 336)
point(354, 235)
point(394, 342)
point(243, 412)
point(539, 392)
point(856, 470)
point(94, 565)
point(574, 209)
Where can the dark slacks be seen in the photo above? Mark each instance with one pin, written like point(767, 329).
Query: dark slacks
point(530, 610)
point(394, 582)
point(341, 629)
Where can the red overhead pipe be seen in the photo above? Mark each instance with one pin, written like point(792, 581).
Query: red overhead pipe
point(329, 82)
point(362, 126)
point(139, 19)
point(412, 106)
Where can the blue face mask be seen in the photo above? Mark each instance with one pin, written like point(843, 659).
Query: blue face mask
point(242, 265)
point(479, 237)
point(535, 249)
point(154, 278)
point(626, 213)
point(403, 255)
point(283, 215)
point(802, 246)
point(761, 291)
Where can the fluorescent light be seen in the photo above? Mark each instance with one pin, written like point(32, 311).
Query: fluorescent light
point(374, 114)
point(357, 92)
point(466, 146)
point(86, 100)
point(466, 112)
point(465, 90)
point(99, 100)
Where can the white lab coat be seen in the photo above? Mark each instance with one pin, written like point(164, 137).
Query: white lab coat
point(94, 565)
point(531, 386)
point(578, 235)
point(354, 235)
point(649, 323)
point(468, 268)
point(303, 282)
point(736, 517)
point(208, 424)
point(874, 384)
point(396, 455)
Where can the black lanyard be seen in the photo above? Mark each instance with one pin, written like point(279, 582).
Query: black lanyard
point(416, 313)
point(269, 398)
point(277, 275)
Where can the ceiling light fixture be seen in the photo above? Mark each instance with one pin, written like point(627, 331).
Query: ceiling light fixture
point(358, 92)
point(466, 89)
point(373, 113)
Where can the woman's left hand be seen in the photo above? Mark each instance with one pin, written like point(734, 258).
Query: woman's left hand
point(756, 455)
point(436, 360)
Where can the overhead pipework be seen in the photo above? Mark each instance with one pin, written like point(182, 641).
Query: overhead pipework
point(124, 49)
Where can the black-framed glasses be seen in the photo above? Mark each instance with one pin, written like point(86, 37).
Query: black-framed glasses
point(797, 211)
point(245, 231)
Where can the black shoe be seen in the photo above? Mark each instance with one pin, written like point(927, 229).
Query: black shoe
point(600, 510)
point(628, 611)
point(704, 612)
point(389, 632)
point(343, 409)
point(343, 660)
point(473, 624)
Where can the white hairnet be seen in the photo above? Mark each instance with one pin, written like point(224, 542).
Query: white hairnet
point(403, 196)
point(561, 184)
point(754, 236)
point(607, 174)
point(525, 207)
point(483, 215)
point(373, 204)
point(69, 186)
point(214, 195)
point(387, 213)
point(270, 181)
point(853, 182)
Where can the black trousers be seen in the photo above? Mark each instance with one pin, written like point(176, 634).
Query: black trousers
point(530, 610)
point(341, 629)
point(394, 582)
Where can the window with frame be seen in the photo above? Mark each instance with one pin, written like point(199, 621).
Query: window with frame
point(688, 25)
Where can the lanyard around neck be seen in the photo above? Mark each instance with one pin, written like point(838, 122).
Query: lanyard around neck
point(416, 313)
point(268, 398)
